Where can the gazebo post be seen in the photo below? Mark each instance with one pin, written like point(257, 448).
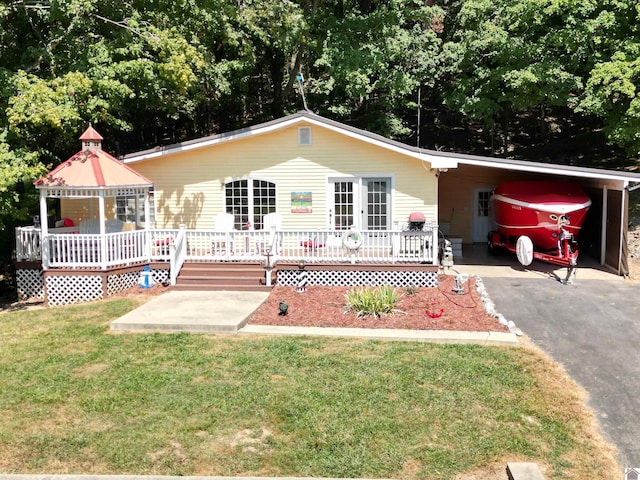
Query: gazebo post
point(147, 224)
point(44, 229)
point(103, 230)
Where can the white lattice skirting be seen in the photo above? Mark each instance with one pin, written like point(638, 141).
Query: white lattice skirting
point(82, 288)
point(30, 284)
point(119, 282)
point(348, 278)
point(161, 275)
point(122, 281)
point(67, 289)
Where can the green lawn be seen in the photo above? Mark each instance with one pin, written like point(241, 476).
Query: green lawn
point(75, 398)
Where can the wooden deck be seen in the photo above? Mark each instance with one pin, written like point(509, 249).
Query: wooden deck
point(67, 267)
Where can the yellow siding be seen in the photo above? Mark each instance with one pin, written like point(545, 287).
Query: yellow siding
point(190, 185)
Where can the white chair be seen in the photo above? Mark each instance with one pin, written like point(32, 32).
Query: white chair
point(224, 222)
point(92, 226)
point(222, 243)
point(114, 225)
point(272, 222)
point(89, 227)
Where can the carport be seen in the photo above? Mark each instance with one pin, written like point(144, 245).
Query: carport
point(464, 207)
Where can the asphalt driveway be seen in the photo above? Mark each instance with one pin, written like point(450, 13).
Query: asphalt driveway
point(593, 328)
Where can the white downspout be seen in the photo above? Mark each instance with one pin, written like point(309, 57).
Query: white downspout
point(147, 212)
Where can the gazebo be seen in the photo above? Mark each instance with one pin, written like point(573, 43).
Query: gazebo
point(91, 173)
point(88, 256)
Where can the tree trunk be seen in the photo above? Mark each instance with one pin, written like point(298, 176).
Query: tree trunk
point(506, 110)
point(276, 66)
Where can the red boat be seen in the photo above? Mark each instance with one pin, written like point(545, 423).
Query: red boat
point(539, 219)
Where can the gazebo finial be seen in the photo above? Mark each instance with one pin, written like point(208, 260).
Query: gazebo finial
point(91, 139)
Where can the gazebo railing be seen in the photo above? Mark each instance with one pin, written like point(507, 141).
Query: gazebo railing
point(95, 251)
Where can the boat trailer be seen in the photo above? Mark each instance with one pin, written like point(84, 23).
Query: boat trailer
point(566, 255)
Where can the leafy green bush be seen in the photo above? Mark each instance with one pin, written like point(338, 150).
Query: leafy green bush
point(374, 302)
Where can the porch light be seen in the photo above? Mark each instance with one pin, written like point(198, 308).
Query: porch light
point(301, 264)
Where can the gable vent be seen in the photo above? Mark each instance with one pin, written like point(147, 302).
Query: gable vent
point(304, 136)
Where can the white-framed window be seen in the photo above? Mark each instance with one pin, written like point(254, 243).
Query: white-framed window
point(249, 200)
point(484, 203)
point(130, 208)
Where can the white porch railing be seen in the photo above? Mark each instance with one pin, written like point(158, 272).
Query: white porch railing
point(28, 245)
point(178, 256)
point(63, 249)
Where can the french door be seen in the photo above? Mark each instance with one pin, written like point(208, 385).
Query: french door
point(362, 202)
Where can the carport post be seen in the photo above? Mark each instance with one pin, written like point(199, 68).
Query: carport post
point(603, 229)
point(624, 209)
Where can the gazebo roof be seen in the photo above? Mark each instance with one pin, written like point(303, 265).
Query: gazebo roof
point(92, 169)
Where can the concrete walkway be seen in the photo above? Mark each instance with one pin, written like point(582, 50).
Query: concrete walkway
point(196, 312)
point(434, 336)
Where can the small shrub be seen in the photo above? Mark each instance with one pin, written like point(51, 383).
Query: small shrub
point(376, 302)
point(411, 290)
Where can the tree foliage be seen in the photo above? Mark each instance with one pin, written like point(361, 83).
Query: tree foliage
point(612, 84)
point(151, 72)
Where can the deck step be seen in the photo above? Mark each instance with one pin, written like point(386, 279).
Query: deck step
point(205, 287)
point(220, 280)
point(209, 276)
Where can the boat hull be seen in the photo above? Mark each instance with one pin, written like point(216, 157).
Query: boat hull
point(543, 211)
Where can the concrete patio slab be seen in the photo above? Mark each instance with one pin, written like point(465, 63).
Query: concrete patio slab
point(196, 311)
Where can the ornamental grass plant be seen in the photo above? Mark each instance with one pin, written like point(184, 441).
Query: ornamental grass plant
point(372, 302)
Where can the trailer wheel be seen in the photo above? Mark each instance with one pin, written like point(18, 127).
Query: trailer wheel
point(524, 250)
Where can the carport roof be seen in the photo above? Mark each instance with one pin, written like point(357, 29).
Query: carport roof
point(541, 167)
